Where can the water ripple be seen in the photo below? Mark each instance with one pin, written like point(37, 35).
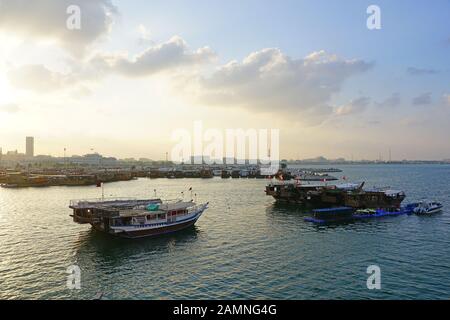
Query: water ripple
point(245, 246)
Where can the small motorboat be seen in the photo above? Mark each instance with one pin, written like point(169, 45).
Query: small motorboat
point(428, 207)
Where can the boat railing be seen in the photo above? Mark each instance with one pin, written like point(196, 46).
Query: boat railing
point(276, 182)
point(117, 201)
point(80, 202)
point(174, 200)
point(299, 182)
point(196, 208)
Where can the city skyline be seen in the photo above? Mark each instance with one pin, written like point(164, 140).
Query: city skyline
point(29, 143)
point(137, 71)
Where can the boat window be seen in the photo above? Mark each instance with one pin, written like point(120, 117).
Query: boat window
point(116, 222)
point(126, 220)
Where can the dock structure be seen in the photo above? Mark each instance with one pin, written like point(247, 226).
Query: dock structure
point(87, 177)
point(245, 172)
point(24, 179)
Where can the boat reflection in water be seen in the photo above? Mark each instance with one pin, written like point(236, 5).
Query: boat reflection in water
point(134, 265)
point(105, 249)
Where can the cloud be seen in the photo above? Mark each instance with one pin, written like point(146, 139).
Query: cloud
point(9, 108)
point(46, 19)
point(144, 35)
point(423, 99)
point(173, 54)
point(268, 80)
point(168, 55)
point(446, 98)
point(392, 101)
point(355, 106)
point(37, 77)
point(420, 71)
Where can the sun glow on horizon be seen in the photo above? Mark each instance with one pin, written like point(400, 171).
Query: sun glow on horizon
point(128, 78)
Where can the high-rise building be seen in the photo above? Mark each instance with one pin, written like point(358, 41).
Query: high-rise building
point(30, 146)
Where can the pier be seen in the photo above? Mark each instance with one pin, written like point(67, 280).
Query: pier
point(95, 176)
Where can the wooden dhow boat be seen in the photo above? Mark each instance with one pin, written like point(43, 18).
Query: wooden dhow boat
point(325, 195)
point(134, 218)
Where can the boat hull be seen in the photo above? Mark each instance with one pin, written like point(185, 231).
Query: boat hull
point(152, 230)
point(432, 211)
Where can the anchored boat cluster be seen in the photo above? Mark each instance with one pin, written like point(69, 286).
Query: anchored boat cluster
point(92, 176)
point(19, 179)
point(346, 201)
point(134, 218)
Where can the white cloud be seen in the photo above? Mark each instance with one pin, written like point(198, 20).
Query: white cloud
point(37, 77)
point(354, 106)
point(268, 80)
point(46, 20)
point(171, 54)
point(144, 35)
point(446, 99)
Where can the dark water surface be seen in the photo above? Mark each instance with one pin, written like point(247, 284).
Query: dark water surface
point(244, 246)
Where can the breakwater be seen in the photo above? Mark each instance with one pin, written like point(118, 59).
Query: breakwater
point(93, 176)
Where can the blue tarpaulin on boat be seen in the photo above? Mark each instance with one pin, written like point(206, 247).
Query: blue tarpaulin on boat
point(379, 213)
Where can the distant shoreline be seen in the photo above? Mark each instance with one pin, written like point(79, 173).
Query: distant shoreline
point(368, 163)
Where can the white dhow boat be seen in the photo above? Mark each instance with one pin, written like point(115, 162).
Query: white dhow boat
point(132, 218)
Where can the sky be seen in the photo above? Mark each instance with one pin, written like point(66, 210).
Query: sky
point(136, 71)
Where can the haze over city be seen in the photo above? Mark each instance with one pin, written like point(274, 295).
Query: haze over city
point(137, 70)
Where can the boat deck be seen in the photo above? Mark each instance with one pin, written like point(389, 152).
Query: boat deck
point(119, 203)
